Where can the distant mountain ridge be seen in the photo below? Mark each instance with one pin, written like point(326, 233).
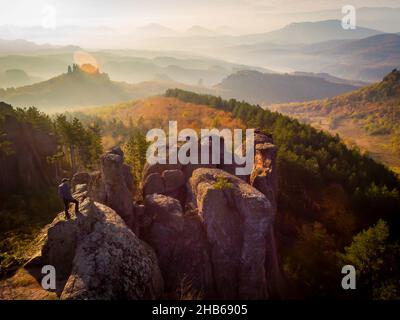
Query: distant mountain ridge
point(20, 46)
point(330, 78)
point(310, 32)
point(264, 88)
point(367, 59)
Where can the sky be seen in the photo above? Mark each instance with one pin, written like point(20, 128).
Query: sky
point(244, 15)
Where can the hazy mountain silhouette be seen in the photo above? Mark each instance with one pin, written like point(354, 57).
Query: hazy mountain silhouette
point(264, 88)
point(369, 58)
point(79, 88)
point(16, 78)
point(309, 32)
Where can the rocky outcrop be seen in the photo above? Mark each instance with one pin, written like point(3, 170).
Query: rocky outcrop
point(173, 179)
point(232, 220)
point(212, 232)
point(237, 219)
point(222, 246)
point(264, 175)
point(170, 182)
point(265, 179)
point(97, 256)
point(80, 178)
point(112, 185)
point(154, 183)
point(180, 244)
point(118, 185)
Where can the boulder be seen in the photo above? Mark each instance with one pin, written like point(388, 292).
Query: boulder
point(118, 196)
point(97, 188)
point(126, 172)
point(97, 256)
point(159, 168)
point(264, 175)
point(173, 180)
point(189, 168)
point(80, 178)
point(175, 185)
point(164, 234)
point(180, 244)
point(238, 219)
point(154, 183)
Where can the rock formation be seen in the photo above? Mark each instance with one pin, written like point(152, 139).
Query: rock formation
point(212, 232)
point(180, 244)
point(97, 256)
point(233, 222)
point(264, 175)
point(265, 179)
point(118, 186)
point(112, 185)
point(237, 219)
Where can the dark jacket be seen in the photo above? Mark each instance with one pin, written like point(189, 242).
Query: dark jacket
point(64, 191)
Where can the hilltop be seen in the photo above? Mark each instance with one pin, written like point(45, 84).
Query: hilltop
point(81, 88)
point(369, 117)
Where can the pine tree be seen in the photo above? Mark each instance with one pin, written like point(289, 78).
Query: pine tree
point(135, 154)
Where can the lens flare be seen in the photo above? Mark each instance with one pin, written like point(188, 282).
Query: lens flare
point(86, 62)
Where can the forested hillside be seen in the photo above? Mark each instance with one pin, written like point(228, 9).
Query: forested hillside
point(374, 110)
point(328, 194)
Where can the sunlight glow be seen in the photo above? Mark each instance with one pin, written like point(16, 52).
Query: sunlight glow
point(86, 62)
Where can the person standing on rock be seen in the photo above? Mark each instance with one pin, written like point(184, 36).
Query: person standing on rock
point(64, 192)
